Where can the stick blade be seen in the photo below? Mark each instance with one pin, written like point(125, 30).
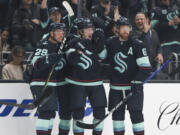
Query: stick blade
point(68, 8)
point(85, 125)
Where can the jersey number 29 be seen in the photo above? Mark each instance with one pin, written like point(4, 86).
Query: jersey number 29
point(41, 52)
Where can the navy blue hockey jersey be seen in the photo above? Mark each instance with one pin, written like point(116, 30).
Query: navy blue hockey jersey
point(83, 68)
point(45, 56)
point(128, 61)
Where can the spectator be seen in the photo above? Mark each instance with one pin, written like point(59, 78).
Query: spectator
point(144, 32)
point(4, 46)
point(73, 22)
point(54, 16)
point(14, 69)
point(106, 13)
point(12, 6)
point(103, 10)
point(3, 11)
point(166, 21)
point(25, 25)
point(131, 7)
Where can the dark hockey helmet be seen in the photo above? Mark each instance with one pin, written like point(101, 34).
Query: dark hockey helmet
point(122, 21)
point(54, 26)
point(84, 23)
point(53, 9)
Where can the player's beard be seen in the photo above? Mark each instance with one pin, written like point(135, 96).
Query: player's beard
point(59, 39)
point(124, 36)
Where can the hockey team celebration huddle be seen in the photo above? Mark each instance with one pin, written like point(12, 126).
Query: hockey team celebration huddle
point(78, 44)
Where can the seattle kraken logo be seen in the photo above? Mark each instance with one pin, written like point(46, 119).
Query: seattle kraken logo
point(86, 62)
point(122, 66)
point(173, 15)
point(60, 64)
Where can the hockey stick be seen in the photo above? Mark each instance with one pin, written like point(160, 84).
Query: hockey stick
point(45, 91)
point(25, 106)
point(68, 8)
point(157, 71)
point(92, 126)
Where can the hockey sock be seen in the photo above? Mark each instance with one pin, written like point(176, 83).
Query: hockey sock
point(64, 127)
point(138, 128)
point(118, 127)
point(99, 128)
point(77, 130)
point(42, 127)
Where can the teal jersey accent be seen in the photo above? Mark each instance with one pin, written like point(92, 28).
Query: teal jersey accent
point(84, 83)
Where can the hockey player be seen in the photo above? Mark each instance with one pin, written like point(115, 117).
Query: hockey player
point(129, 68)
point(84, 77)
point(44, 57)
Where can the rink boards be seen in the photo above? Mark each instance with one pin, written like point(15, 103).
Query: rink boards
point(161, 111)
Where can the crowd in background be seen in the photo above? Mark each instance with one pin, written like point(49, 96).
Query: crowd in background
point(24, 22)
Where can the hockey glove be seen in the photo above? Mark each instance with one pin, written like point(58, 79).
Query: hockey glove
point(84, 44)
point(47, 61)
point(98, 39)
point(53, 58)
point(136, 87)
point(98, 22)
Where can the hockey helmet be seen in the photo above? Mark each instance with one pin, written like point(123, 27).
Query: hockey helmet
point(53, 9)
point(122, 21)
point(54, 26)
point(84, 23)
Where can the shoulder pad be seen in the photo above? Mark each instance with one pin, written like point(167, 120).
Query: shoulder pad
point(139, 41)
point(76, 36)
point(110, 39)
point(42, 42)
point(45, 42)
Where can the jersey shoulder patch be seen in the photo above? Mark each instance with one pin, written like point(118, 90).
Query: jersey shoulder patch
point(110, 40)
